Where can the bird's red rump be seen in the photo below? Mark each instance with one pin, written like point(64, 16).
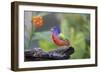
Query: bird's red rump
point(58, 41)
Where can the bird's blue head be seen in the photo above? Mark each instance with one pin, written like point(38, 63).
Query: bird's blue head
point(56, 30)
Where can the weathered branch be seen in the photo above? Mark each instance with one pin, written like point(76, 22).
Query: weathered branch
point(58, 54)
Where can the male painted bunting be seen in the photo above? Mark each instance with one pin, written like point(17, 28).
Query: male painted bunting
point(58, 38)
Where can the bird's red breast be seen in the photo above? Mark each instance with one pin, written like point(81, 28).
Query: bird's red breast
point(58, 41)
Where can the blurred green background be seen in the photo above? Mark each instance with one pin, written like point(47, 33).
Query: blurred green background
point(75, 27)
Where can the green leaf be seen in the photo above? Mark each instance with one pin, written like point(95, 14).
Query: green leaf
point(47, 46)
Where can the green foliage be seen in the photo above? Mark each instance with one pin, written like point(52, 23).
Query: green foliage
point(77, 28)
point(78, 42)
point(47, 46)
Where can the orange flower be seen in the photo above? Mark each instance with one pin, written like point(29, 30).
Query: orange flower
point(37, 21)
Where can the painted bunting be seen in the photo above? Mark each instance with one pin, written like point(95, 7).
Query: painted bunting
point(58, 37)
